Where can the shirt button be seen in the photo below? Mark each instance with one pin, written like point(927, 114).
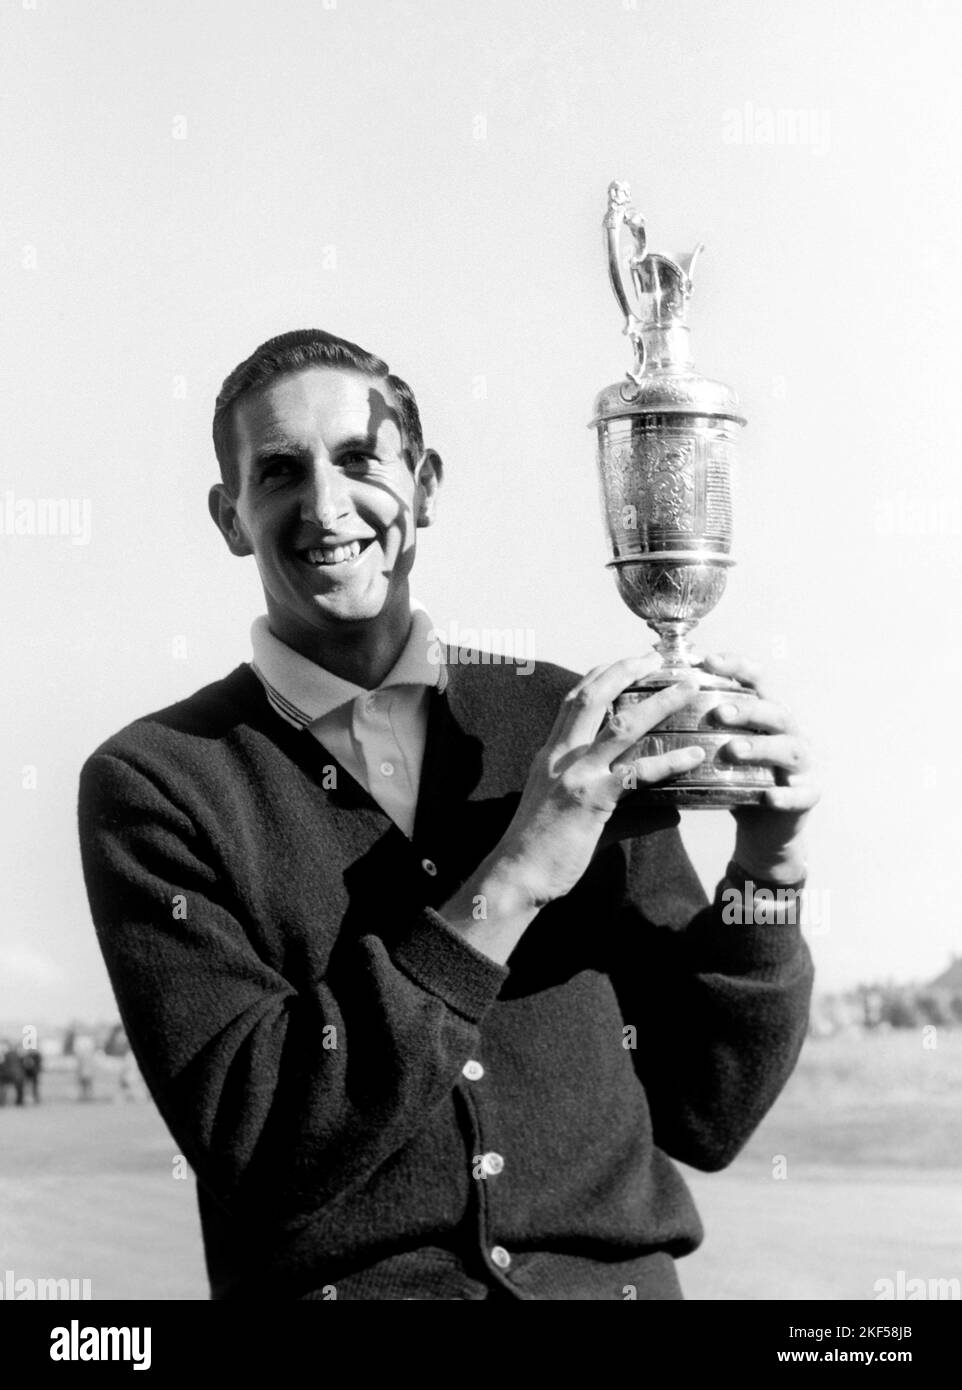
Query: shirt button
point(429, 867)
point(500, 1257)
point(387, 769)
point(492, 1164)
point(472, 1070)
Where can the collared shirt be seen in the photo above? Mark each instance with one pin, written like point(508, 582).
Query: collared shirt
point(378, 735)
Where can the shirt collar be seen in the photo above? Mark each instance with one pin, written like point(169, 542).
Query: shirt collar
point(304, 692)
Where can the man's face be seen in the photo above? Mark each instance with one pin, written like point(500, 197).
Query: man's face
point(328, 504)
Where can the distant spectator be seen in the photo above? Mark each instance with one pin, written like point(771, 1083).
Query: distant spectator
point(116, 1044)
point(11, 1072)
point(32, 1067)
point(128, 1079)
point(84, 1048)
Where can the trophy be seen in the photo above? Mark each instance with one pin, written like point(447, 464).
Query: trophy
point(666, 449)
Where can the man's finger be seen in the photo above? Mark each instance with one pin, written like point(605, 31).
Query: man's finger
point(584, 707)
point(751, 712)
point(647, 772)
point(784, 752)
point(739, 667)
point(635, 718)
point(799, 797)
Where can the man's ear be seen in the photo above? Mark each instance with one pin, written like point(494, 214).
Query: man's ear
point(223, 509)
point(428, 481)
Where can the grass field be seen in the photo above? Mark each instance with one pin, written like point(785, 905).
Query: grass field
point(868, 1133)
point(855, 1175)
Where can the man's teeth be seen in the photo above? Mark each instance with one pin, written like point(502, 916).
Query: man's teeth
point(334, 554)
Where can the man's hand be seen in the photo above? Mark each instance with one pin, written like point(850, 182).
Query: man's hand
point(573, 786)
point(768, 842)
point(578, 777)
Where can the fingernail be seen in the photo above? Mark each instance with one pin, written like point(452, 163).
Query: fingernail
point(741, 747)
point(728, 711)
point(696, 755)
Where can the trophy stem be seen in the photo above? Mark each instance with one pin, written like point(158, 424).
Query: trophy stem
point(673, 648)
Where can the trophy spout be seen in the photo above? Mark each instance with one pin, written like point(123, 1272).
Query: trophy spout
point(652, 290)
point(689, 262)
point(664, 288)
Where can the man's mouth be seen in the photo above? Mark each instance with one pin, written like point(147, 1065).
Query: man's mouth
point(326, 555)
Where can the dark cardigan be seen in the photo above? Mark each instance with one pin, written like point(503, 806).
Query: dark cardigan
point(302, 1013)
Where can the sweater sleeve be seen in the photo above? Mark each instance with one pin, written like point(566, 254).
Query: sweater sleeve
point(720, 1011)
point(282, 1100)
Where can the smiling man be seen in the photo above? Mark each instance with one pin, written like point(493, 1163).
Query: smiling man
point(427, 1011)
point(326, 481)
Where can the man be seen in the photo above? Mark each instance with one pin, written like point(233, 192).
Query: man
point(32, 1060)
point(425, 1023)
point(12, 1072)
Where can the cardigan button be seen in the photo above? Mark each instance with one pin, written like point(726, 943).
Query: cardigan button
point(472, 1070)
point(500, 1257)
point(429, 867)
point(492, 1164)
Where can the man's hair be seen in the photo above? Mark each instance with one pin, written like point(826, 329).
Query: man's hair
point(292, 352)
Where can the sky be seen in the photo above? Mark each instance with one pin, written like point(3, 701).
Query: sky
point(428, 179)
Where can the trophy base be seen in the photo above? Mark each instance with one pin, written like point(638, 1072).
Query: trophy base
point(715, 783)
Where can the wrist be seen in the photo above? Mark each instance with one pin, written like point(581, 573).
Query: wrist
point(746, 899)
point(505, 881)
point(783, 867)
point(497, 891)
point(492, 910)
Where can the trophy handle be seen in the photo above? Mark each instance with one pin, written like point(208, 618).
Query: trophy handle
point(619, 217)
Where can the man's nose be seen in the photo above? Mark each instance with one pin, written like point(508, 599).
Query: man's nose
point(324, 497)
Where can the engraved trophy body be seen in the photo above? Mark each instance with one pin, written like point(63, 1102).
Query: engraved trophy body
point(666, 450)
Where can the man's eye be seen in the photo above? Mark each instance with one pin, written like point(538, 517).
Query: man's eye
point(358, 458)
point(278, 466)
